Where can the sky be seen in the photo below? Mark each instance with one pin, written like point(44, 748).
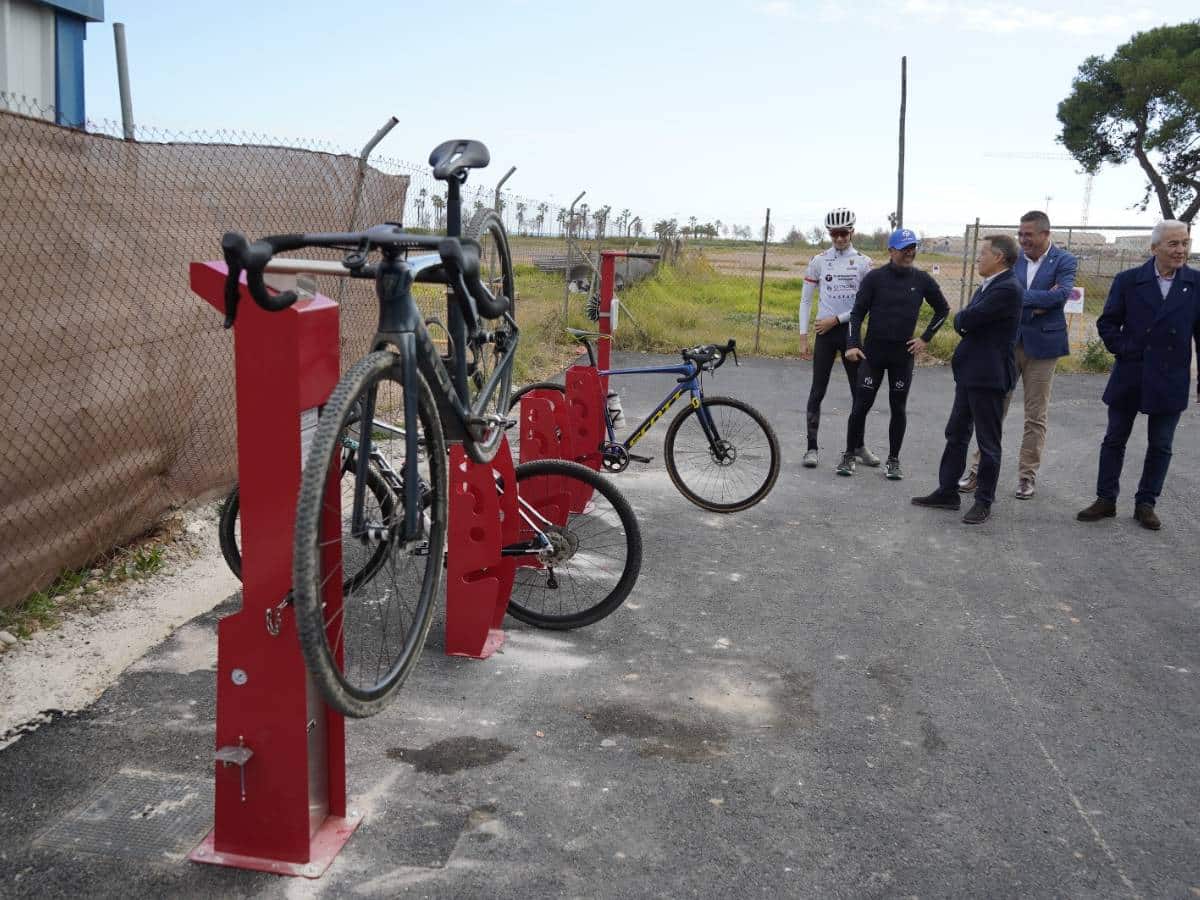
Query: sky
point(672, 109)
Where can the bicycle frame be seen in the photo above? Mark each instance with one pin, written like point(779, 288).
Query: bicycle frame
point(402, 326)
point(689, 381)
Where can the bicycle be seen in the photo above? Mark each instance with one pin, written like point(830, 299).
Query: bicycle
point(718, 445)
point(360, 650)
point(564, 556)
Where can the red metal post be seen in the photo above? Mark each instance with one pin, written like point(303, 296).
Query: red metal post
point(608, 283)
point(280, 776)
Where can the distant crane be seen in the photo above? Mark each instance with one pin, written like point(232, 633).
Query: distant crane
point(1087, 187)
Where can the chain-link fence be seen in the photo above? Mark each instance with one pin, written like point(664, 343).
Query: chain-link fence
point(118, 397)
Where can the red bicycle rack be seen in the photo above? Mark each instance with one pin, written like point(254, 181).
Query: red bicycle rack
point(482, 519)
point(281, 753)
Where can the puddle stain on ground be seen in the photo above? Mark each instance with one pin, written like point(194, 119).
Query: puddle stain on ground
point(452, 755)
point(931, 739)
point(661, 739)
point(890, 678)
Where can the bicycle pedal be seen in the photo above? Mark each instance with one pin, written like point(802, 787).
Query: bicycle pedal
point(640, 459)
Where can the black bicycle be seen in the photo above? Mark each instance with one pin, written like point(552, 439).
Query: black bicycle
point(361, 646)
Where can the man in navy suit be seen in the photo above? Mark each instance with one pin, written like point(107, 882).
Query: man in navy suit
point(1047, 275)
point(985, 370)
point(1149, 323)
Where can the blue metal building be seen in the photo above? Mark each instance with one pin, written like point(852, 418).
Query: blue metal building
point(41, 56)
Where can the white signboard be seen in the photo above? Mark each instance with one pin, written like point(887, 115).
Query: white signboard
point(1075, 301)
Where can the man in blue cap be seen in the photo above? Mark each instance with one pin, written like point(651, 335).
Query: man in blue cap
point(891, 296)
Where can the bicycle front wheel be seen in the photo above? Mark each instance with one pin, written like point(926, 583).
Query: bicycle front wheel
point(360, 650)
point(573, 568)
point(729, 469)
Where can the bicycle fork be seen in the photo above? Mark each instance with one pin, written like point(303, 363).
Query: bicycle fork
point(411, 500)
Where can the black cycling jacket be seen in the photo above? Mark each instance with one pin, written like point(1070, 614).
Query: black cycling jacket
point(892, 295)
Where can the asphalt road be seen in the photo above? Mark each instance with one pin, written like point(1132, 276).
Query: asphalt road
point(833, 694)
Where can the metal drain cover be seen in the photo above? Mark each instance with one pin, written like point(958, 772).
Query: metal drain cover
point(137, 815)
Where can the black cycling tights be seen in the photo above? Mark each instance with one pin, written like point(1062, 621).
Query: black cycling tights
point(897, 364)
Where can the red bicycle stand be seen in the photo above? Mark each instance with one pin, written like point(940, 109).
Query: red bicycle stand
point(545, 425)
point(482, 519)
point(281, 758)
point(586, 432)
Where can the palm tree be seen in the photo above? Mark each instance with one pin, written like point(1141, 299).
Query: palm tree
point(637, 227)
point(692, 224)
point(521, 207)
point(542, 209)
point(583, 219)
point(420, 204)
point(600, 217)
point(439, 210)
point(717, 227)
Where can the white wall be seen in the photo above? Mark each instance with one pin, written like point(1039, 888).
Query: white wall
point(27, 57)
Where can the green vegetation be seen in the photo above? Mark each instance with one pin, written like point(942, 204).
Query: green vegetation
point(691, 303)
point(77, 588)
point(1142, 103)
point(1095, 358)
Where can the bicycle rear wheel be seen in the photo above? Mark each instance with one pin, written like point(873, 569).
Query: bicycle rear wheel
point(361, 650)
point(732, 473)
point(574, 568)
point(360, 567)
point(496, 271)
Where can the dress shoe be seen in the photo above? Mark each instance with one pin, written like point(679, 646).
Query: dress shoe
point(977, 514)
point(1146, 516)
point(968, 482)
point(1103, 508)
point(1025, 489)
point(938, 500)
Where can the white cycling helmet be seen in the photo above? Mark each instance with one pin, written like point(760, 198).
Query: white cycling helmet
point(839, 218)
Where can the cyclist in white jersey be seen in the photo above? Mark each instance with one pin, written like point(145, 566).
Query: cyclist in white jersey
point(834, 275)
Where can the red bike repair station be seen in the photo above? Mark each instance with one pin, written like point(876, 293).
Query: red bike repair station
point(280, 770)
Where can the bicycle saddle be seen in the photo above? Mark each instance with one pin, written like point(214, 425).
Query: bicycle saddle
point(451, 158)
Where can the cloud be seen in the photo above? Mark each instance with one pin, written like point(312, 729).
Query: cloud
point(780, 9)
point(1008, 20)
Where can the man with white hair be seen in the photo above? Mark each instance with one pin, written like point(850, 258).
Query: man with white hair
point(1150, 322)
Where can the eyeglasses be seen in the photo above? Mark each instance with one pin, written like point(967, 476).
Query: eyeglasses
point(839, 232)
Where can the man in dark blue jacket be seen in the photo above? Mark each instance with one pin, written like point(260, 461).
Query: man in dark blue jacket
point(1047, 274)
point(985, 370)
point(1149, 323)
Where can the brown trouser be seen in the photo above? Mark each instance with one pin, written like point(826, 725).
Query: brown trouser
point(1036, 377)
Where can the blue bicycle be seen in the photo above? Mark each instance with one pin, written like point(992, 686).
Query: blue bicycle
point(720, 452)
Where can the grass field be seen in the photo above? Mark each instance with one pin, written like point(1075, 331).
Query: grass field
point(708, 298)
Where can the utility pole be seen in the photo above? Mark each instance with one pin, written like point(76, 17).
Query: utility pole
point(762, 277)
point(123, 80)
point(900, 174)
